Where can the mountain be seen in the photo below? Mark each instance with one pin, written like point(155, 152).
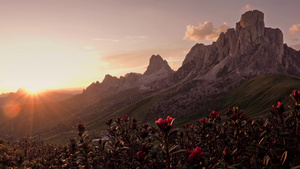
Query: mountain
point(157, 70)
point(22, 97)
point(248, 65)
point(209, 73)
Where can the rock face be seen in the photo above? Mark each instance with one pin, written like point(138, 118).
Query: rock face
point(157, 70)
point(247, 50)
point(209, 71)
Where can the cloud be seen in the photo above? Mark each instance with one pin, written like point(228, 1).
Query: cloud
point(205, 31)
point(141, 58)
point(294, 30)
point(137, 37)
point(110, 40)
point(247, 7)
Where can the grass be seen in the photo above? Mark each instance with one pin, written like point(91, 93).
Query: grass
point(257, 95)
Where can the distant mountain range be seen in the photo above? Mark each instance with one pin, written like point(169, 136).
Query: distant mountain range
point(23, 97)
point(208, 75)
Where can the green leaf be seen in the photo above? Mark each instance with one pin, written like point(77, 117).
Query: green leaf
point(283, 157)
point(288, 117)
point(296, 167)
point(173, 148)
point(260, 142)
point(263, 133)
point(266, 160)
point(179, 151)
point(156, 137)
point(234, 151)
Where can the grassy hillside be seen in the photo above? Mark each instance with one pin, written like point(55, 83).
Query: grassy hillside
point(257, 95)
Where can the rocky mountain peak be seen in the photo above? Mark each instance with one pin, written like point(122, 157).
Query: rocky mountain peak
point(252, 18)
point(156, 63)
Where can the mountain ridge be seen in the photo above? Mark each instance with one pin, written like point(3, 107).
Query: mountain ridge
point(208, 72)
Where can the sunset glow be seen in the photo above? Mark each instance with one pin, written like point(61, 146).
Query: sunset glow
point(79, 42)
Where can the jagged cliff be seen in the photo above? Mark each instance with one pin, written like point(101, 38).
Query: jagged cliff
point(209, 71)
point(249, 49)
point(157, 70)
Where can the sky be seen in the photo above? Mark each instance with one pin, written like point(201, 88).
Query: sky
point(56, 44)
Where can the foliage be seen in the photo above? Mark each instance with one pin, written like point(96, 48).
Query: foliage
point(227, 140)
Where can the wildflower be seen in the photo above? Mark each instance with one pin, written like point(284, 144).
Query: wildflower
point(144, 133)
point(166, 124)
point(72, 143)
point(212, 114)
point(109, 121)
point(218, 116)
point(133, 125)
point(242, 115)
point(225, 152)
point(125, 117)
point(118, 119)
point(141, 155)
point(249, 120)
point(188, 152)
point(233, 117)
point(195, 155)
point(81, 127)
point(295, 92)
point(203, 121)
point(279, 107)
point(145, 126)
point(134, 120)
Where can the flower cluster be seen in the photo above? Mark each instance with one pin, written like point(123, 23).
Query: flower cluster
point(195, 154)
point(166, 124)
point(215, 141)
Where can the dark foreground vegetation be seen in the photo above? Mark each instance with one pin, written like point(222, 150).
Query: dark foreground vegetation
point(229, 140)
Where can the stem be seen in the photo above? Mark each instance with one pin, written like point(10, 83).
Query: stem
point(167, 149)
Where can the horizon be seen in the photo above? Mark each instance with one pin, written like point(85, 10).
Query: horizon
point(78, 43)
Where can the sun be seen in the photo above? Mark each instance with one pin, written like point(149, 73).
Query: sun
point(34, 90)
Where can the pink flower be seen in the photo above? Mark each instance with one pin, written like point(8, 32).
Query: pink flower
point(249, 120)
point(218, 116)
point(279, 104)
point(133, 125)
point(73, 143)
point(144, 133)
point(165, 123)
point(234, 116)
point(168, 119)
point(212, 114)
point(140, 155)
point(118, 119)
point(195, 155)
point(225, 152)
point(242, 115)
point(203, 121)
point(188, 152)
point(296, 92)
point(160, 122)
point(81, 127)
point(109, 121)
